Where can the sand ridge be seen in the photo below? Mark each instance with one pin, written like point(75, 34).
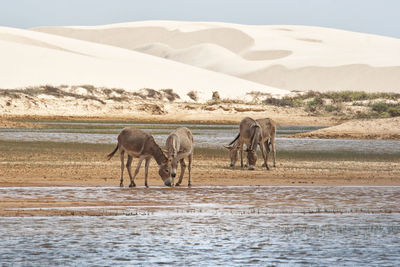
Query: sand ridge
point(306, 57)
point(32, 58)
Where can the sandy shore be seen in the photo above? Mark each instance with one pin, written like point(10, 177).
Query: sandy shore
point(58, 164)
point(359, 129)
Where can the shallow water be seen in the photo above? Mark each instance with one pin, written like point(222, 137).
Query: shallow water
point(208, 226)
point(206, 136)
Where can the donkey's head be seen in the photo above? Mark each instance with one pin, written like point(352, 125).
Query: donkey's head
point(172, 166)
point(173, 162)
point(233, 153)
point(164, 172)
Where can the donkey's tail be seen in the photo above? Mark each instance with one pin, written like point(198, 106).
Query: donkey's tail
point(109, 156)
point(254, 137)
point(234, 140)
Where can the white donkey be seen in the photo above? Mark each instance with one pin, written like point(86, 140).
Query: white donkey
point(179, 145)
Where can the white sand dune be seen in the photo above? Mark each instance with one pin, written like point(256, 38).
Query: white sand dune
point(30, 58)
point(288, 57)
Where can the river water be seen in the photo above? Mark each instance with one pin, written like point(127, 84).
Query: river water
point(209, 226)
point(204, 226)
point(206, 136)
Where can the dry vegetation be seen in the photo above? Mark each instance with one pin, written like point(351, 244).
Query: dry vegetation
point(346, 104)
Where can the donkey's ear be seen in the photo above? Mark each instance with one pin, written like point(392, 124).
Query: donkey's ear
point(165, 151)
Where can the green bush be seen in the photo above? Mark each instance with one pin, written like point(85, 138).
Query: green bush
point(380, 107)
point(394, 111)
point(316, 102)
point(333, 108)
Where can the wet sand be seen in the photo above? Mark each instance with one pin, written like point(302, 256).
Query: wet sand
point(77, 165)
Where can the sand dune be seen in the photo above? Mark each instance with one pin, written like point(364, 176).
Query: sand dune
point(32, 58)
point(288, 57)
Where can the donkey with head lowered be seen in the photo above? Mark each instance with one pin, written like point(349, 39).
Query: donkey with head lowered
point(252, 133)
point(142, 145)
point(179, 145)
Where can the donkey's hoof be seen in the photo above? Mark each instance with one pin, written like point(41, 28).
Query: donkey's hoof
point(132, 185)
point(177, 184)
point(251, 168)
point(189, 185)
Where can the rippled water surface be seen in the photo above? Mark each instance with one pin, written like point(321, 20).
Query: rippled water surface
point(208, 226)
point(208, 136)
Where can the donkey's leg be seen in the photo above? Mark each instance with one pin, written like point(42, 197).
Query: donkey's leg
point(190, 170)
point(241, 154)
point(146, 171)
point(136, 172)
point(267, 148)
point(183, 167)
point(265, 155)
point(121, 155)
point(128, 167)
point(273, 151)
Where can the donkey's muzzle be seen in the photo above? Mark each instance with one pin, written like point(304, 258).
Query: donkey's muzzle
point(168, 182)
point(173, 175)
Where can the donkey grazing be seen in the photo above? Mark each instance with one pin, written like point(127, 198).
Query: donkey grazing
point(252, 133)
point(179, 145)
point(140, 145)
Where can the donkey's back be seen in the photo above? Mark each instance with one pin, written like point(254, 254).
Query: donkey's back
point(135, 142)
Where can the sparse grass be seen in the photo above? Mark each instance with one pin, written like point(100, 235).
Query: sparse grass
point(284, 102)
point(170, 94)
point(46, 90)
point(334, 103)
point(34, 149)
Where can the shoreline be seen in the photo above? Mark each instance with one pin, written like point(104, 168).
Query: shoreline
point(364, 129)
point(73, 165)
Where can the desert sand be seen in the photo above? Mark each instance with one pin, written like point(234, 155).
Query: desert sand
point(31, 58)
point(283, 56)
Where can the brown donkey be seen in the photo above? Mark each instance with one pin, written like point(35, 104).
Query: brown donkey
point(140, 145)
point(254, 132)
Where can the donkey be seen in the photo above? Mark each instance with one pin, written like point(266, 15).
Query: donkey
point(140, 145)
point(254, 132)
point(179, 145)
point(234, 150)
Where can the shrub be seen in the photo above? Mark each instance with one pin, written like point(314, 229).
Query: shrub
point(380, 107)
point(333, 108)
point(284, 102)
point(193, 95)
point(394, 111)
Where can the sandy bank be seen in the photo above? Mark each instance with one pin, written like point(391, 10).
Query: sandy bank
point(359, 129)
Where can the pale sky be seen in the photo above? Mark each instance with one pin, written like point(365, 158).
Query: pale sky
point(368, 16)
